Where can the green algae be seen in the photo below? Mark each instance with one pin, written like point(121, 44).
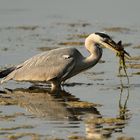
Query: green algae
point(46, 48)
point(134, 66)
point(10, 117)
point(136, 73)
point(82, 104)
point(137, 58)
point(71, 43)
point(134, 63)
point(17, 136)
point(79, 36)
point(16, 127)
point(75, 137)
point(137, 47)
point(117, 29)
point(21, 27)
point(125, 138)
point(106, 120)
point(7, 101)
point(82, 35)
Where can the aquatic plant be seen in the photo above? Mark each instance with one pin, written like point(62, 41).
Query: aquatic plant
point(122, 54)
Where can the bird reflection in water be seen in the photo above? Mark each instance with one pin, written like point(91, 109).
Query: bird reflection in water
point(55, 106)
point(40, 102)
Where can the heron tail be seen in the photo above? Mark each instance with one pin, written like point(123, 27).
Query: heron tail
point(6, 72)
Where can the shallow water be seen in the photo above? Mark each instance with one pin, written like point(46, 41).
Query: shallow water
point(29, 27)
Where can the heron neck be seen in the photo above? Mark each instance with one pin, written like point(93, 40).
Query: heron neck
point(95, 55)
point(93, 59)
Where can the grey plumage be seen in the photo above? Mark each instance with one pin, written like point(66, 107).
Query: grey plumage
point(60, 64)
point(57, 63)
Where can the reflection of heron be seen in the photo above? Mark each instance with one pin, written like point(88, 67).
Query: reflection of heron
point(60, 106)
point(60, 64)
point(63, 106)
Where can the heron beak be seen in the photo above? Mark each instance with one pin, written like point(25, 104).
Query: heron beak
point(116, 47)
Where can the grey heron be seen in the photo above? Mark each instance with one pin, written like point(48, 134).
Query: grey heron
point(58, 65)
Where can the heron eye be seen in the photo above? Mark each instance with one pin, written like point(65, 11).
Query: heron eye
point(106, 40)
point(97, 44)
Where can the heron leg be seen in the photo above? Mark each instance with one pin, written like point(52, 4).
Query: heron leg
point(55, 85)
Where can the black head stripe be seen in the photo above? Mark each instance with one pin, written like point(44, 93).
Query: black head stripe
point(103, 35)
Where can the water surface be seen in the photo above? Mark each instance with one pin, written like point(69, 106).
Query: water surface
point(30, 27)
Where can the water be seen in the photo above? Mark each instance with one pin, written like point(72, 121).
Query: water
point(27, 27)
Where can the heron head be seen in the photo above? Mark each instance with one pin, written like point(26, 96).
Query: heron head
point(106, 41)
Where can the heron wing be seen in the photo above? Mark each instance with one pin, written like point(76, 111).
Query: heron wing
point(57, 63)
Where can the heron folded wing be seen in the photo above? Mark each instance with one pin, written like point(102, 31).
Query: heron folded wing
point(56, 63)
point(43, 68)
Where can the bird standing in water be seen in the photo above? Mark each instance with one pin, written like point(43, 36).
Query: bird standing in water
point(60, 64)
